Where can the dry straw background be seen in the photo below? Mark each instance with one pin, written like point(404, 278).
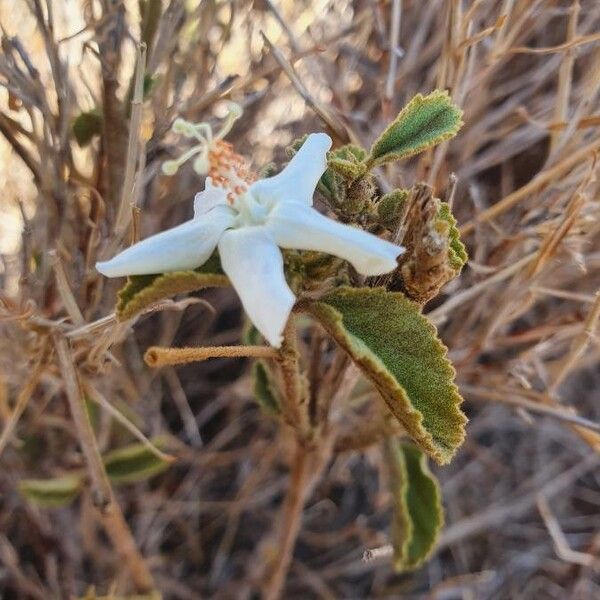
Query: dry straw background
point(523, 496)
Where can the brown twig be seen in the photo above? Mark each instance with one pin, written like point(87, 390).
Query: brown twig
point(108, 508)
point(160, 357)
point(303, 471)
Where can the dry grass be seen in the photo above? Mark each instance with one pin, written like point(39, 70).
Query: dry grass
point(522, 497)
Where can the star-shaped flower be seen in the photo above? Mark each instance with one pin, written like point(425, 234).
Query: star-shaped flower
point(249, 222)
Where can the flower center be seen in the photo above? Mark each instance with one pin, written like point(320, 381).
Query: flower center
point(251, 210)
point(214, 156)
point(228, 170)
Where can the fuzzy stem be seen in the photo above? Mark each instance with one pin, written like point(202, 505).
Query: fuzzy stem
point(310, 457)
point(160, 357)
point(301, 475)
point(108, 509)
point(292, 401)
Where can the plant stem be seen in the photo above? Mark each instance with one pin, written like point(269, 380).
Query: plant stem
point(293, 407)
point(303, 472)
point(103, 498)
point(133, 145)
point(160, 357)
point(311, 453)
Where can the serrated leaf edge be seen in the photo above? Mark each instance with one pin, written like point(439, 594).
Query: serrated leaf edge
point(372, 161)
point(410, 417)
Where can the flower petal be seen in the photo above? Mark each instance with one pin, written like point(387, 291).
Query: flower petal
point(294, 225)
point(186, 246)
point(254, 265)
point(297, 182)
point(211, 196)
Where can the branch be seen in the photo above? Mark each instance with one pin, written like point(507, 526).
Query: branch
point(108, 509)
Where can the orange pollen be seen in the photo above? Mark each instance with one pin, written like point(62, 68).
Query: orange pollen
point(228, 169)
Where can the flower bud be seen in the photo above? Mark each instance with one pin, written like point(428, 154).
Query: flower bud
point(179, 126)
point(170, 167)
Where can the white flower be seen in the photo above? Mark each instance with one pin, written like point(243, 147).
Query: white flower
point(248, 227)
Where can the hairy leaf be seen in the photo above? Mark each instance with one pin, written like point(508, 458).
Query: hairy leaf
point(397, 348)
point(457, 253)
point(350, 152)
point(390, 207)
point(263, 389)
point(418, 515)
point(52, 493)
point(141, 291)
point(424, 122)
point(135, 462)
point(346, 168)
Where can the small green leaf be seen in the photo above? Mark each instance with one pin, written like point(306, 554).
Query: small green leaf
point(349, 152)
point(457, 253)
point(263, 389)
point(346, 168)
point(142, 291)
point(418, 514)
point(424, 122)
point(86, 125)
point(135, 462)
point(397, 348)
point(331, 185)
point(390, 207)
point(52, 493)
point(344, 164)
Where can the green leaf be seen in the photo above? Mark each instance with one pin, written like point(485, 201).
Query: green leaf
point(86, 125)
point(331, 185)
point(52, 493)
point(418, 514)
point(142, 291)
point(135, 462)
point(263, 389)
point(397, 348)
point(457, 253)
point(344, 164)
point(424, 122)
point(349, 152)
point(347, 169)
point(390, 207)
